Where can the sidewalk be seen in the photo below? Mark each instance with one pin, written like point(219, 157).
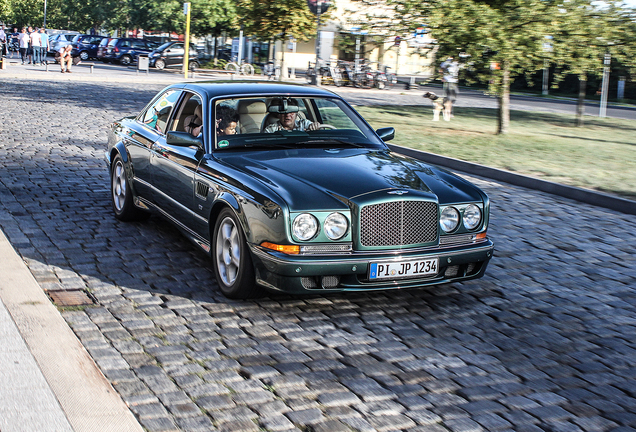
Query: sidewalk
point(48, 382)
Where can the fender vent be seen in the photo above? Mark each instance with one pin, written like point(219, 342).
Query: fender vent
point(202, 190)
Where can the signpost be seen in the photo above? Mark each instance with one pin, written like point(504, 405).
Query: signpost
point(186, 44)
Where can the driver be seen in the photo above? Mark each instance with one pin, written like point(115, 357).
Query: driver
point(287, 110)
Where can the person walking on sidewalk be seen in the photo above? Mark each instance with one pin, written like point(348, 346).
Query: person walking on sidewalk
point(66, 57)
point(23, 39)
point(44, 44)
point(3, 41)
point(36, 43)
point(15, 41)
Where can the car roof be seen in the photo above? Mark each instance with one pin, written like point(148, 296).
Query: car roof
point(253, 89)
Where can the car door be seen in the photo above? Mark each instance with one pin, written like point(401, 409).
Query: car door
point(174, 54)
point(173, 166)
point(151, 126)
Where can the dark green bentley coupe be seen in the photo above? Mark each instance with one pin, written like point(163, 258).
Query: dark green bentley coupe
point(289, 189)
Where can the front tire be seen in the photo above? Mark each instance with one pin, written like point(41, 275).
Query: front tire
point(193, 65)
point(121, 193)
point(160, 64)
point(231, 258)
point(83, 55)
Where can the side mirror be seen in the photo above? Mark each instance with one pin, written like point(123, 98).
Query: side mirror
point(184, 139)
point(386, 134)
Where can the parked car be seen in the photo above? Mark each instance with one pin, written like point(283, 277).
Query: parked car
point(101, 49)
point(60, 40)
point(171, 54)
point(85, 46)
point(126, 50)
point(324, 208)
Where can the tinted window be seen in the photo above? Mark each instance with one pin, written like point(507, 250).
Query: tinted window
point(113, 42)
point(138, 44)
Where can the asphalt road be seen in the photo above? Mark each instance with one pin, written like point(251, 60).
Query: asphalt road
point(546, 341)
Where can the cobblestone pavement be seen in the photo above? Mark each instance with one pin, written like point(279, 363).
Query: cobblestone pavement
point(545, 342)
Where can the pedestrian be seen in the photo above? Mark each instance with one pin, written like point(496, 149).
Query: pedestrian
point(23, 40)
point(3, 41)
point(44, 44)
point(66, 57)
point(36, 43)
point(450, 76)
point(30, 50)
point(15, 40)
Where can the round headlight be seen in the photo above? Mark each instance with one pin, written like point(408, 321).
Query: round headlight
point(472, 217)
point(449, 219)
point(336, 226)
point(305, 226)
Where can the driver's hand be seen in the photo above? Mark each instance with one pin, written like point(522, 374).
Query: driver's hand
point(314, 126)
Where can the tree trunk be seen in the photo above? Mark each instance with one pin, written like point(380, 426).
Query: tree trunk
point(504, 103)
point(580, 106)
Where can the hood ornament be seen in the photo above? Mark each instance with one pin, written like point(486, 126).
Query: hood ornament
point(398, 192)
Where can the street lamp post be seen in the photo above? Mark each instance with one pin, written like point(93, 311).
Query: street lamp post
point(317, 68)
point(547, 48)
point(605, 85)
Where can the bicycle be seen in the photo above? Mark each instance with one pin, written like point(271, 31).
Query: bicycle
point(242, 69)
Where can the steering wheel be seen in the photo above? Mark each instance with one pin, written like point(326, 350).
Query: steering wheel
point(326, 126)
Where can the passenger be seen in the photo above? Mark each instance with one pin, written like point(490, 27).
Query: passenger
point(193, 124)
point(287, 110)
point(226, 120)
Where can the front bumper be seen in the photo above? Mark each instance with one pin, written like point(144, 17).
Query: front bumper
point(309, 273)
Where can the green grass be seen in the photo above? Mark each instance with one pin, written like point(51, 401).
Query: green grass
point(601, 155)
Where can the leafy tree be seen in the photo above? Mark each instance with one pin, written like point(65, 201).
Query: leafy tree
point(502, 39)
point(278, 20)
point(584, 33)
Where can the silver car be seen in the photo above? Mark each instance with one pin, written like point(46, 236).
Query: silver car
point(60, 40)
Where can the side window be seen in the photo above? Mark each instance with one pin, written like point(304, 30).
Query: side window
point(138, 44)
point(176, 49)
point(189, 117)
point(157, 115)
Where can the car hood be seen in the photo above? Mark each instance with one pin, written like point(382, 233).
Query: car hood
point(328, 178)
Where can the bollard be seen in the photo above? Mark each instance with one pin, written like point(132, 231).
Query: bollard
point(92, 68)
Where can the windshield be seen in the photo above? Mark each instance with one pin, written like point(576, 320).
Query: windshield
point(284, 122)
point(164, 46)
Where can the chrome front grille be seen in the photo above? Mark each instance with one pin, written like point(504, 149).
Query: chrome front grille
point(398, 223)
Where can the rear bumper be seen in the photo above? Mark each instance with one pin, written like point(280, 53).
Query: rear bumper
point(310, 274)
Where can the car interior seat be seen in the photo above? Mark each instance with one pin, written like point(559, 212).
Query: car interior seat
point(251, 115)
point(187, 111)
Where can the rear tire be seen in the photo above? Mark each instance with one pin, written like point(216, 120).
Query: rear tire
point(83, 55)
point(121, 194)
point(193, 65)
point(231, 258)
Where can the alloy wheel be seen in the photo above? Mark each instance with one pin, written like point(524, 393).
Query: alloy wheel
point(228, 251)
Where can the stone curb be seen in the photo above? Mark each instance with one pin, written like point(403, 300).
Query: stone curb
point(578, 194)
point(86, 397)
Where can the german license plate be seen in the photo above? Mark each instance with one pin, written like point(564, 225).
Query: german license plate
point(403, 269)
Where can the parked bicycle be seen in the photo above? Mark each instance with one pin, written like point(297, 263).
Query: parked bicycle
point(329, 74)
point(242, 69)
